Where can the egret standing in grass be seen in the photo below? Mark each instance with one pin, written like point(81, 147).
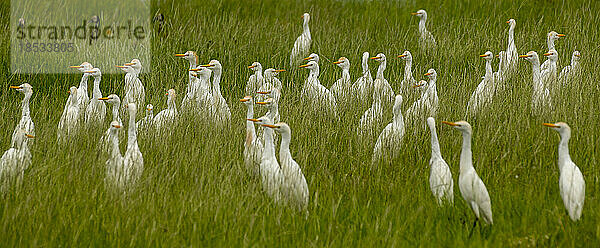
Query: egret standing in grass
point(511, 54)
point(471, 187)
point(482, 96)
point(295, 188)
point(552, 37)
point(256, 80)
point(363, 87)
point(388, 143)
point(408, 79)
point(341, 89)
point(115, 174)
point(571, 70)
point(68, 125)
point(440, 177)
point(167, 118)
point(426, 39)
point(302, 44)
point(26, 123)
point(321, 100)
point(15, 160)
point(96, 109)
point(82, 91)
point(253, 146)
point(571, 182)
point(133, 161)
point(272, 177)
point(540, 99)
point(221, 109)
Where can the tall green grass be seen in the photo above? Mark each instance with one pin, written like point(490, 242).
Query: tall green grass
point(195, 192)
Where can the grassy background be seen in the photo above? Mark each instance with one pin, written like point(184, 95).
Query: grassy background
point(195, 191)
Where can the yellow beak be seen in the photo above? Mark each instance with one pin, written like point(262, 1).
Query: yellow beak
point(483, 55)
point(524, 56)
point(179, 55)
point(280, 70)
point(263, 92)
point(207, 65)
point(244, 100)
point(261, 103)
point(129, 63)
point(507, 21)
point(271, 126)
point(338, 62)
point(414, 13)
point(195, 69)
point(88, 71)
point(450, 123)
point(427, 74)
point(549, 125)
point(75, 66)
point(251, 66)
point(562, 35)
point(547, 54)
point(29, 136)
point(117, 126)
point(16, 87)
point(302, 66)
point(103, 98)
point(120, 66)
point(253, 120)
point(375, 57)
point(401, 56)
point(307, 58)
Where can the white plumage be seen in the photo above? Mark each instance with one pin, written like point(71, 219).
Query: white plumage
point(363, 87)
point(270, 172)
point(483, 94)
point(472, 188)
point(253, 146)
point(26, 123)
point(166, 119)
point(440, 177)
point(82, 91)
point(388, 143)
point(320, 99)
point(551, 38)
point(540, 99)
point(571, 70)
point(256, 80)
point(115, 171)
point(426, 39)
point(68, 126)
point(15, 160)
point(133, 161)
point(295, 188)
point(571, 182)
point(302, 43)
point(426, 106)
point(222, 115)
point(342, 88)
point(408, 81)
point(96, 110)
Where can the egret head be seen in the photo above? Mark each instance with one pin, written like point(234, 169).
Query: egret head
point(420, 13)
point(561, 127)
point(25, 88)
point(406, 55)
point(306, 18)
point(310, 65)
point(256, 67)
point(379, 58)
point(95, 72)
point(280, 127)
point(247, 100)
point(112, 99)
point(553, 35)
point(576, 56)
point(462, 126)
point(431, 74)
point(312, 57)
point(343, 63)
point(552, 55)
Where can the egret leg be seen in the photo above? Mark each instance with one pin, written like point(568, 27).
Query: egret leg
point(473, 228)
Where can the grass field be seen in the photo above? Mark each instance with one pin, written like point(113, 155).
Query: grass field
point(195, 192)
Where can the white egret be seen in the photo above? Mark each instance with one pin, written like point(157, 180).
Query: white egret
point(188, 104)
point(549, 75)
point(220, 105)
point(551, 38)
point(295, 188)
point(204, 94)
point(134, 89)
point(302, 43)
point(502, 71)
point(387, 94)
point(133, 161)
point(341, 89)
point(115, 174)
point(472, 188)
point(408, 81)
point(26, 123)
point(427, 105)
point(363, 87)
point(82, 91)
point(571, 182)
point(256, 80)
point(570, 70)
point(313, 92)
point(115, 101)
point(373, 117)
point(440, 177)
point(541, 95)
point(68, 125)
point(96, 109)
point(272, 177)
point(272, 86)
point(482, 96)
point(167, 118)
point(388, 143)
point(15, 160)
point(146, 122)
point(512, 56)
point(253, 146)
point(426, 38)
